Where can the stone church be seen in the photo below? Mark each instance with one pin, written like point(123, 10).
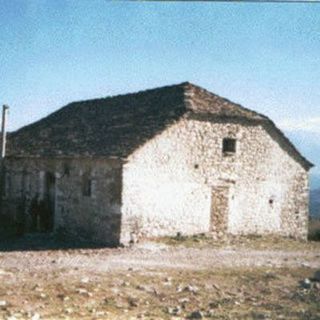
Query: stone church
point(154, 163)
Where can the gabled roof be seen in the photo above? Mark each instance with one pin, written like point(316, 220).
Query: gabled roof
point(116, 126)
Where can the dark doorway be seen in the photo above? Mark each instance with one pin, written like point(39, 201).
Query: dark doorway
point(47, 205)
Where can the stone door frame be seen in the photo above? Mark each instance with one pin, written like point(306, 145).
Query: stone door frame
point(219, 209)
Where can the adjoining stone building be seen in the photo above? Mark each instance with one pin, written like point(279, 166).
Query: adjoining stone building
point(153, 163)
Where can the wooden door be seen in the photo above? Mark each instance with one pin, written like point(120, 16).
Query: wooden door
point(219, 209)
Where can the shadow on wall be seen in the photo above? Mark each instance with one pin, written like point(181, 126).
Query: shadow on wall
point(21, 226)
point(91, 218)
point(15, 236)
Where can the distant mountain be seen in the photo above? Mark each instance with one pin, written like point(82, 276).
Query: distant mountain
point(314, 206)
point(314, 181)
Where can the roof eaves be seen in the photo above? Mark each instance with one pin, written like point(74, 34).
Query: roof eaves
point(305, 162)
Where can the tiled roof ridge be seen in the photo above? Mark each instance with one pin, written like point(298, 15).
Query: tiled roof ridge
point(134, 93)
point(188, 87)
point(109, 97)
point(184, 98)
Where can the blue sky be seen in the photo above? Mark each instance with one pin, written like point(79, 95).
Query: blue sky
point(264, 56)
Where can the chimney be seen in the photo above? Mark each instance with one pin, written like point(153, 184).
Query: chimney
point(3, 130)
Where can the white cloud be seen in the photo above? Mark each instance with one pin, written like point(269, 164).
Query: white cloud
point(311, 125)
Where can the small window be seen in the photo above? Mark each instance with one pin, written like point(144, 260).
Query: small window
point(229, 145)
point(86, 185)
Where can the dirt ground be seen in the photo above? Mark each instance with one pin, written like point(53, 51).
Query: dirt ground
point(170, 278)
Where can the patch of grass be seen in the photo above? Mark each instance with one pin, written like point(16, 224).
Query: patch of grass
point(258, 242)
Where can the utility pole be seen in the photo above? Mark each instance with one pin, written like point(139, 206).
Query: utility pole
point(3, 154)
point(3, 130)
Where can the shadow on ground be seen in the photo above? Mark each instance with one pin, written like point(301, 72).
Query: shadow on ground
point(39, 242)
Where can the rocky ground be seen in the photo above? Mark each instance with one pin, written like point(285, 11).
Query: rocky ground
point(171, 278)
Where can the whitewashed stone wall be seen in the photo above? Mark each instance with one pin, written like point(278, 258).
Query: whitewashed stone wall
point(94, 218)
point(169, 181)
point(169, 185)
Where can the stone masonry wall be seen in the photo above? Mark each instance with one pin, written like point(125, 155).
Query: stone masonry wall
point(78, 216)
point(168, 183)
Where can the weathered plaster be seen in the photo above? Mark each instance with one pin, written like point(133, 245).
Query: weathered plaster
point(168, 182)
